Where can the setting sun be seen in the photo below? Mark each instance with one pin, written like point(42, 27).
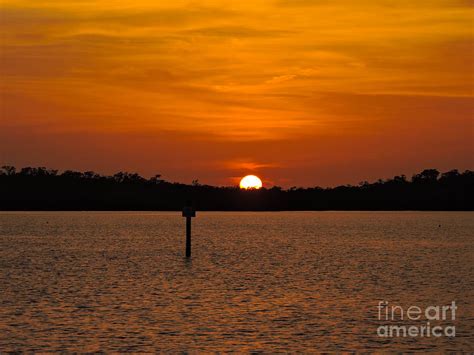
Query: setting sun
point(250, 182)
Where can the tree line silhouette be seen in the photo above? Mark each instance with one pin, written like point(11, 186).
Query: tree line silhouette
point(39, 188)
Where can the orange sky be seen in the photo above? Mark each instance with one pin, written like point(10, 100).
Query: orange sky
point(299, 92)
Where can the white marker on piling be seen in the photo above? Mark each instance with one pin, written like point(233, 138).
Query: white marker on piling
point(188, 212)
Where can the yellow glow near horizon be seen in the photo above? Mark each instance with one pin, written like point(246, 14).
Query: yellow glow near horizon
point(250, 182)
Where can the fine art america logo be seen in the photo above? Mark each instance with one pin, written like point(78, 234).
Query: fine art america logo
point(431, 321)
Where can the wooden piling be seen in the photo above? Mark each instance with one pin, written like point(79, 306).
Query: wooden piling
point(188, 237)
point(189, 213)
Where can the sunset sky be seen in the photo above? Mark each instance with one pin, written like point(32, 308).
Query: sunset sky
point(298, 92)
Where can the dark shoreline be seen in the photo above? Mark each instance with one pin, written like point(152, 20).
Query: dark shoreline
point(40, 189)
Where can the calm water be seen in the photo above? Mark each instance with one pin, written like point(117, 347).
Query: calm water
point(257, 281)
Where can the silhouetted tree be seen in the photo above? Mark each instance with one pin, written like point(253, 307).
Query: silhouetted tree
point(71, 174)
point(451, 175)
point(156, 179)
point(8, 170)
point(426, 176)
